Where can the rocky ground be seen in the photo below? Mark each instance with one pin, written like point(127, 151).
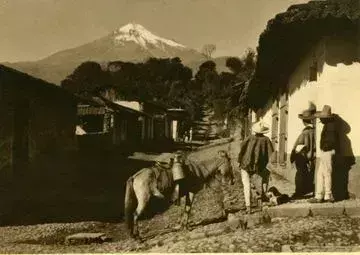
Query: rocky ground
point(210, 231)
point(298, 234)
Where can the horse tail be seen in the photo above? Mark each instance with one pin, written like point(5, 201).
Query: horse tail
point(130, 204)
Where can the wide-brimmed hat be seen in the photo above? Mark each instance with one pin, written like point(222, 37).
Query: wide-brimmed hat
point(309, 113)
point(325, 113)
point(260, 128)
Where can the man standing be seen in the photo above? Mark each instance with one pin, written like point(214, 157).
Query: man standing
point(254, 155)
point(328, 147)
point(303, 154)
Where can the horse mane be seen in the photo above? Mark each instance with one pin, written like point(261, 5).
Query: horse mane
point(200, 171)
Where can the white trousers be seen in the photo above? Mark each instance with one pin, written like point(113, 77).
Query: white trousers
point(258, 187)
point(323, 176)
point(245, 178)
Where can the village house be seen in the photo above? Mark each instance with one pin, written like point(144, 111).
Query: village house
point(163, 123)
point(36, 118)
point(310, 53)
point(105, 124)
point(178, 117)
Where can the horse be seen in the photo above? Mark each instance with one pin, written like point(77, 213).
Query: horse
point(158, 181)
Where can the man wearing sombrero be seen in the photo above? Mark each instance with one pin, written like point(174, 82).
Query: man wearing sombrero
point(254, 155)
point(303, 155)
point(328, 146)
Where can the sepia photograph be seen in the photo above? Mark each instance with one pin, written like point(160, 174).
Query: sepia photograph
point(179, 126)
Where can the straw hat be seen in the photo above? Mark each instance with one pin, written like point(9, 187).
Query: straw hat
point(309, 113)
point(325, 113)
point(260, 128)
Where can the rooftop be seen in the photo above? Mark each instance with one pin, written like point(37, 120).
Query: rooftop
point(13, 76)
point(289, 36)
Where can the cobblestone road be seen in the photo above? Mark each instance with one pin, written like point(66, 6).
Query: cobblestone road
point(317, 234)
point(299, 234)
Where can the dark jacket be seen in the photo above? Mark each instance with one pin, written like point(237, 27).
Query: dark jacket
point(255, 153)
point(307, 138)
point(328, 140)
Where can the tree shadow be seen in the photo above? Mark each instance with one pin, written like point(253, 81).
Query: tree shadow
point(343, 161)
point(85, 187)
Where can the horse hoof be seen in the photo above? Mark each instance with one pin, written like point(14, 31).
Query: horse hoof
point(136, 237)
point(139, 239)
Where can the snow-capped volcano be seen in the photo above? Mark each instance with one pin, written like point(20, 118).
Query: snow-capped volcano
point(140, 35)
point(129, 43)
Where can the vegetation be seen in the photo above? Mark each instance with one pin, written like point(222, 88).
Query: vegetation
point(226, 93)
point(169, 82)
point(208, 50)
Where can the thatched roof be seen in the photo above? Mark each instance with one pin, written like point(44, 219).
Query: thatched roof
point(289, 36)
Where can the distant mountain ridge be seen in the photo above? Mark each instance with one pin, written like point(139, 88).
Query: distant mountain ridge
point(131, 43)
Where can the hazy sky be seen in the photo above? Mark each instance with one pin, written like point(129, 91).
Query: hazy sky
point(33, 29)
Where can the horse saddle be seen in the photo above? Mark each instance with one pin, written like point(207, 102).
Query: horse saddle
point(162, 165)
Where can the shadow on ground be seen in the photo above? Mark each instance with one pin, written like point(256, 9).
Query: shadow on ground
point(85, 186)
point(79, 187)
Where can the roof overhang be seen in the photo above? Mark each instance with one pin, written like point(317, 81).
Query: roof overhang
point(289, 37)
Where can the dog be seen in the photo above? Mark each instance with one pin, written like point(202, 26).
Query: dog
point(275, 197)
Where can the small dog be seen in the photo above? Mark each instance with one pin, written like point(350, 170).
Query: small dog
point(275, 197)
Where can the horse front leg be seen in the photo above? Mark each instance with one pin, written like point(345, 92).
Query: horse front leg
point(188, 205)
point(135, 233)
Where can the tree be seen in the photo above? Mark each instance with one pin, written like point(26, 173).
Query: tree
point(226, 93)
point(249, 61)
point(234, 64)
point(166, 80)
point(208, 79)
point(208, 50)
point(87, 78)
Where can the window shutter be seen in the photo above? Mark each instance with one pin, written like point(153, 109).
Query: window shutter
point(275, 130)
point(283, 134)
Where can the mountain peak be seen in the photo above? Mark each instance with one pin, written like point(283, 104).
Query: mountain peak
point(143, 37)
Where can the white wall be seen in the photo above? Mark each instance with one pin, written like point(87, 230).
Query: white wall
point(130, 104)
point(337, 86)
